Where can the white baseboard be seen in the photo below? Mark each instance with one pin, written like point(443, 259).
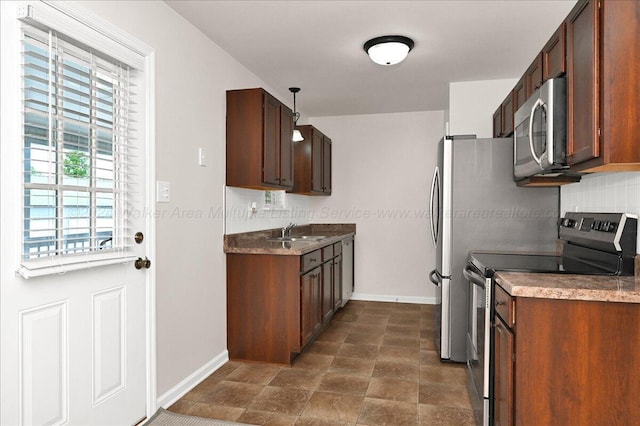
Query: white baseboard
point(179, 390)
point(392, 298)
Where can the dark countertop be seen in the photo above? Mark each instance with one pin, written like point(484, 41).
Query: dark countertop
point(571, 287)
point(257, 242)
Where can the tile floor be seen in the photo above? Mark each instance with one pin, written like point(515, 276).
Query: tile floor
point(375, 364)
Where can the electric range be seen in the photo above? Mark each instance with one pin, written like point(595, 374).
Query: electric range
point(592, 244)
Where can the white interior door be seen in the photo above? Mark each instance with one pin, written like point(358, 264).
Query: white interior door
point(73, 345)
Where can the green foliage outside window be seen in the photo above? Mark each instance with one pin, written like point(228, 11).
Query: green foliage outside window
point(76, 164)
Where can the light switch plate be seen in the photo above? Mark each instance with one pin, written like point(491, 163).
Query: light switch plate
point(202, 157)
point(163, 192)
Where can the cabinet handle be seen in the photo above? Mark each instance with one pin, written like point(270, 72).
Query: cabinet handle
point(313, 260)
point(500, 303)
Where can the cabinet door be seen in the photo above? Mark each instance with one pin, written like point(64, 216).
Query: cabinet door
point(503, 378)
point(519, 94)
point(534, 75)
point(271, 141)
point(507, 115)
point(326, 165)
point(554, 53)
point(310, 300)
point(327, 290)
point(316, 161)
point(497, 122)
point(286, 147)
point(317, 300)
point(582, 83)
point(337, 282)
point(306, 308)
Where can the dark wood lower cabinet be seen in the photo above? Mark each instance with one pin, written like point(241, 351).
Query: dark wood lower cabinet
point(277, 305)
point(310, 314)
point(337, 282)
point(503, 379)
point(568, 362)
point(327, 290)
point(263, 307)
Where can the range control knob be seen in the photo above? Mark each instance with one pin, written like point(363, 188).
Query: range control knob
point(567, 223)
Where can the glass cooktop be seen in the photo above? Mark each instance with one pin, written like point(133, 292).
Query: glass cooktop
point(487, 263)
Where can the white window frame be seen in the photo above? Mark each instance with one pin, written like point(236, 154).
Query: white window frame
point(75, 21)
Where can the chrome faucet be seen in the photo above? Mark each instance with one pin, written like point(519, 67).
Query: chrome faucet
point(287, 229)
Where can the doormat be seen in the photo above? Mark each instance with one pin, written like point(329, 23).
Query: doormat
point(163, 417)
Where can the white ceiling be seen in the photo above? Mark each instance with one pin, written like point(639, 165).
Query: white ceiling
point(317, 45)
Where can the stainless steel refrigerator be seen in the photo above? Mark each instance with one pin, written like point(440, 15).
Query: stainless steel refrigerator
point(475, 205)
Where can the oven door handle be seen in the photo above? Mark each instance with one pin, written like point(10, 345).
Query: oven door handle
point(473, 277)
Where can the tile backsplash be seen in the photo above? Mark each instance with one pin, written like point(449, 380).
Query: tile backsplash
point(614, 192)
point(239, 218)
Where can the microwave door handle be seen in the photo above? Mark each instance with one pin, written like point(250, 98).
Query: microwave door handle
point(533, 110)
point(435, 181)
point(549, 137)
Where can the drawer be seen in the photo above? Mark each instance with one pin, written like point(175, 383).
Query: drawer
point(337, 248)
point(505, 306)
point(327, 253)
point(311, 260)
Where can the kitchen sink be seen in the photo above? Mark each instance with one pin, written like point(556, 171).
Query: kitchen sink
point(309, 238)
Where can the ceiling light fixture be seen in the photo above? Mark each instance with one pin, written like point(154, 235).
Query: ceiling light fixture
point(389, 49)
point(297, 136)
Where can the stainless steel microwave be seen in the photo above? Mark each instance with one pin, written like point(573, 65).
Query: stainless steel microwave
point(540, 131)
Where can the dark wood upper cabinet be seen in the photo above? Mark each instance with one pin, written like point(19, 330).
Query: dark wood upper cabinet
point(503, 117)
point(533, 75)
point(326, 165)
point(312, 159)
point(497, 122)
point(271, 141)
point(316, 160)
point(603, 88)
point(554, 54)
point(519, 94)
point(259, 150)
point(286, 147)
point(598, 49)
point(507, 115)
point(582, 83)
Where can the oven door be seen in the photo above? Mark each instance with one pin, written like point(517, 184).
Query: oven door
point(479, 344)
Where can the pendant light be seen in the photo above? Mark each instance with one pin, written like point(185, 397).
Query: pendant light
point(297, 136)
point(388, 50)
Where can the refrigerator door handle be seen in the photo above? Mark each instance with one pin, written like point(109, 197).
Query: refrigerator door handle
point(435, 182)
point(435, 277)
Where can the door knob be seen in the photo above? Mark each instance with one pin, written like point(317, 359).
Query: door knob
point(142, 263)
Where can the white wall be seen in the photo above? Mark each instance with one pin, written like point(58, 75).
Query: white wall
point(615, 192)
point(472, 104)
point(193, 74)
point(240, 219)
point(382, 166)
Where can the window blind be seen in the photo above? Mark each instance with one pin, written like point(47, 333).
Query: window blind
point(79, 161)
